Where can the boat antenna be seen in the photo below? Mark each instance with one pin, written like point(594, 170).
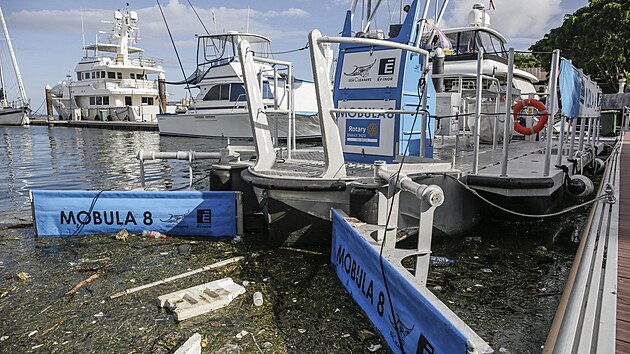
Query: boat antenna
point(195, 11)
point(247, 28)
point(83, 34)
point(175, 48)
point(214, 20)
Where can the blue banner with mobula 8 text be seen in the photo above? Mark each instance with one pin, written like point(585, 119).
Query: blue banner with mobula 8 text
point(421, 327)
point(187, 213)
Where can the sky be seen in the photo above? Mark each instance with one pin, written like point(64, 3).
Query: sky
point(47, 35)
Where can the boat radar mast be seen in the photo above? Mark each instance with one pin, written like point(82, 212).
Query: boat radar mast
point(124, 25)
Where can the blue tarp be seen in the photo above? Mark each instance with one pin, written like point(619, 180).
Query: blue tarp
point(187, 213)
point(422, 328)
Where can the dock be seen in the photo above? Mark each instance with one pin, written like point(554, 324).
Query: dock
point(623, 276)
point(113, 125)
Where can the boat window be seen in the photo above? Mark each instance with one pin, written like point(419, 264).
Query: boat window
point(111, 75)
point(102, 74)
point(261, 49)
point(267, 93)
point(237, 93)
point(218, 93)
point(499, 46)
point(93, 75)
point(127, 100)
point(119, 75)
point(147, 101)
point(92, 101)
point(466, 42)
point(99, 100)
point(132, 75)
point(106, 100)
point(79, 75)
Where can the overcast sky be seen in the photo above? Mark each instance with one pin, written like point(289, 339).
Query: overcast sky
point(47, 35)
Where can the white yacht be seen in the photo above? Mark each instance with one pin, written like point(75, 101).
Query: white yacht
point(220, 107)
point(457, 85)
point(13, 112)
point(114, 80)
point(478, 36)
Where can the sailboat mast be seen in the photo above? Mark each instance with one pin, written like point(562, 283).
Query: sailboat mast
point(13, 60)
point(3, 101)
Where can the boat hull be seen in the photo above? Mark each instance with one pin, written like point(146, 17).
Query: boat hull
point(14, 116)
point(233, 125)
point(301, 216)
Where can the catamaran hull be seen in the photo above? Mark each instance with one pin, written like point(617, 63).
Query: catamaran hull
point(14, 116)
point(302, 217)
point(233, 125)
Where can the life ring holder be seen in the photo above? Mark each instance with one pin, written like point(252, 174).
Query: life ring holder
point(542, 109)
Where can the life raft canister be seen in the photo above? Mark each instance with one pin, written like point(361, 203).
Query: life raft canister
point(542, 109)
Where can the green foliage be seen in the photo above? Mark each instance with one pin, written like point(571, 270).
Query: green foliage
point(596, 38)
point(526, 61)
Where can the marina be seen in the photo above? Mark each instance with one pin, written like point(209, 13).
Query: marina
point(421, 194)
point(516, 267)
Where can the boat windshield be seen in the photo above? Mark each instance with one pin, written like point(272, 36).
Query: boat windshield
point(471, 41)
point(220, 49)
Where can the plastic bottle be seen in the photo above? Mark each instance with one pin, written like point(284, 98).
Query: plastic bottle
point(440, 262)
point(153, 234)
point(258, 298)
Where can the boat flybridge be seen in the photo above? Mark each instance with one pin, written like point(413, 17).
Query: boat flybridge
point(220, 107)
point(114, 80)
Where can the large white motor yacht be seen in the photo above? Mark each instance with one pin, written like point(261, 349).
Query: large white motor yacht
point(114, 80)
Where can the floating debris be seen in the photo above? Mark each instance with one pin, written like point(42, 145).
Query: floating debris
point(374, 347)
point(123, 235)
point(258, 298)
point(23, 275)
point(191, 346)
point(241, 334)
point(83, 283)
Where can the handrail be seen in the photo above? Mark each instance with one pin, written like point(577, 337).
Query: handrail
point(584, 320)
point(372, 42)
point(224, 155)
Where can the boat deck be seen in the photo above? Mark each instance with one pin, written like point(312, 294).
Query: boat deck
point(623, 277)
point(526, 161)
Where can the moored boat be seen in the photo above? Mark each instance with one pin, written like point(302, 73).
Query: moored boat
point(114, 80)
point(220, 107)
point(15, 112)
point(384, 103)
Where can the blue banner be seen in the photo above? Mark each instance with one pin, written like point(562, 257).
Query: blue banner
point(421, 327)
point(570, 85)
point(187, 213)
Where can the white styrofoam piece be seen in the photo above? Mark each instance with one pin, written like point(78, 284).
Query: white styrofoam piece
point(191, 346)
point(201, 299)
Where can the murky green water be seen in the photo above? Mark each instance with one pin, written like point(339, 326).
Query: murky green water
point(505, 283)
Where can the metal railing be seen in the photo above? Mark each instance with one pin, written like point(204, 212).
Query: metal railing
point(586, 316)
point(224, 156)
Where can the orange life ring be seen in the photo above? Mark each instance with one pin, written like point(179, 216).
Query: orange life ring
point(542, 109)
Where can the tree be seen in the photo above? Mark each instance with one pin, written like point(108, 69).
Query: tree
point(597, 40)
point(526, 61)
